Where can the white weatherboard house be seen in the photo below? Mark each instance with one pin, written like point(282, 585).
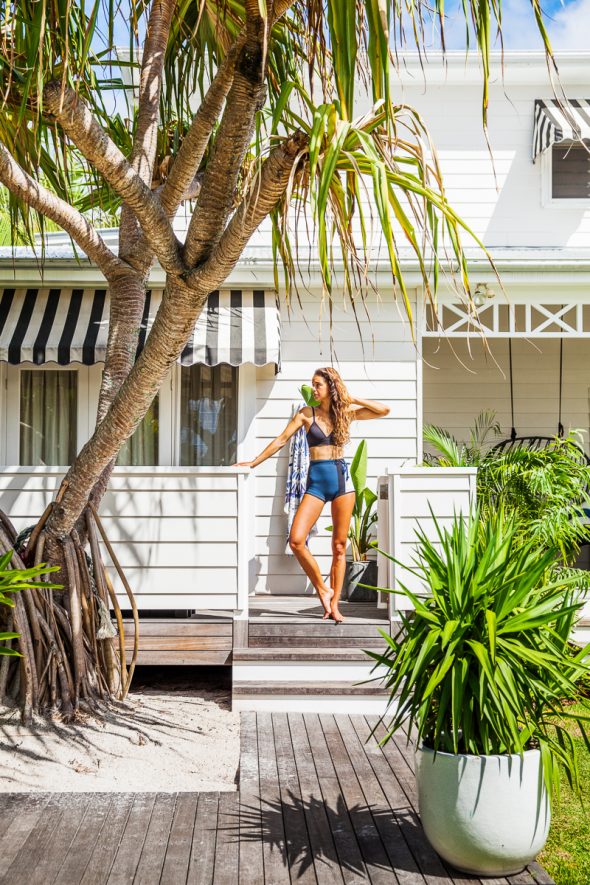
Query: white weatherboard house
point(194, 534)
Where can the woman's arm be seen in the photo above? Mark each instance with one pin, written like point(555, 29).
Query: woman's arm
point(273, 447)
point(368, 409)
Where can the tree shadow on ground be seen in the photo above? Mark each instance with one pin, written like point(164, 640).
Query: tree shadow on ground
point(359, 839)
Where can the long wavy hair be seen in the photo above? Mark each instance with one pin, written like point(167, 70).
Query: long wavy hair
point(340, 403)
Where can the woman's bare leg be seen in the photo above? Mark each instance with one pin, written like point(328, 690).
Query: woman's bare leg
point(306, 516)
point(342, 508)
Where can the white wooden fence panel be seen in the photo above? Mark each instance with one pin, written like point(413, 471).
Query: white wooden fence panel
point(174, 531)
point(404, 499)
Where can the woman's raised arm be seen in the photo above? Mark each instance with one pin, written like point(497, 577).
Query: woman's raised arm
point(368, 409)
point(273, 447)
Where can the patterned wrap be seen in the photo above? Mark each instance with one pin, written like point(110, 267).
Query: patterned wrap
point(297, 478)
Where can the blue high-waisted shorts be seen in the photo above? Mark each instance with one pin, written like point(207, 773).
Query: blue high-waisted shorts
point(328, 479)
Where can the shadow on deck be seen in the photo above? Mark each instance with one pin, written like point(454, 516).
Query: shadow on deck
point(319, 802)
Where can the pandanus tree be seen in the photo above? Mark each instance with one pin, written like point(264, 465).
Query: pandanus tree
point(275, 132)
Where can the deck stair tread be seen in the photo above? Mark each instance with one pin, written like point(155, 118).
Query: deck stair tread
point(363, 689)
point(300, 653)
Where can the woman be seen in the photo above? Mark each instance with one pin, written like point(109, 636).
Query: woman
point(327, 427)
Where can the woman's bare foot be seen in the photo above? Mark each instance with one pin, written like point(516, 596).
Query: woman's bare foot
point(326, 599)
point(335, 615)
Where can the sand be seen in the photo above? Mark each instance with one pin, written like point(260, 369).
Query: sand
point(160, 739)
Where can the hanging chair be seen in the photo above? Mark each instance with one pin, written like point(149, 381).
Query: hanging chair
point(536, 441)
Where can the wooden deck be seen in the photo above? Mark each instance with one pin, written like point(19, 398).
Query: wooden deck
point(316, 804)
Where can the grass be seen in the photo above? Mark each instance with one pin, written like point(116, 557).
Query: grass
point(566, 856)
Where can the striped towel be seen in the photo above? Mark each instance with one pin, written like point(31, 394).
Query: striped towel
point(297, 478)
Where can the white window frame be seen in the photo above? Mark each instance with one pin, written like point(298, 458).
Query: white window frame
point(547, 198)
point(246, 389)
point(12, 406)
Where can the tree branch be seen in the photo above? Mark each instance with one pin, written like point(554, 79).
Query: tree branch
point(245, 97)
point(145, 142)
point(51, 206)
point(260, 199)
point(78, 123)
point(195, 141)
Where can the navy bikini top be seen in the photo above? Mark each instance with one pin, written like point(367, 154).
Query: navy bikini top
point(316, 436)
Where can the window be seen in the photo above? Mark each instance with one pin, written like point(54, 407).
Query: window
point(208, 415)
point(142, 449)
point(570, 171)
point(48, 417)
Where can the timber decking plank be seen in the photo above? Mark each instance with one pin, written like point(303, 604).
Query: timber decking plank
point(36, 844)
point(180, 839)
point(299, 653)
point(398, 851)
point(326, 861)
point(375, 643)
point(349, 853)
point(522, 878)
point(151, 627)
point(540, 875)
point(299, 852)
point(251, 863)
point(227, 850)
point(75, 860)
point(307, 688)
point(322, 629)
point(73, 810)
point(182, 643)
point(274, 849)
point(149, 869)
point(425, 856)
point(371, 846)
point(202, 856)
point(100, 861)
point(132, 841)
point(23, 816)
point(180, 658)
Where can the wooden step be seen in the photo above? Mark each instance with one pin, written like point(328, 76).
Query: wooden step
point(371, 689)
point(182, 642)
point(302, 653)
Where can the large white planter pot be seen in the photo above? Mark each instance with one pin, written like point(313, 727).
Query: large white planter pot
point(487, 815)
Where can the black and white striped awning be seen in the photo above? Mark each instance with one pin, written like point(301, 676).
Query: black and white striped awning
point(556, 121)
point(71, 325)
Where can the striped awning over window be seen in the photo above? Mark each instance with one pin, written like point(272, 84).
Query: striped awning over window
point(71, 325)
point(556, 121)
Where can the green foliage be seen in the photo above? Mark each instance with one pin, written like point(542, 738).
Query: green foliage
point(546, 488)
point(449, 452)
point(364, 516)
point(15, 580)
point(484, 663)
point(307, 394)
point(566, 856)
point(317, 55)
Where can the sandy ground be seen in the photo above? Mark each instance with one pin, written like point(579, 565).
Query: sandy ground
point(169, 735)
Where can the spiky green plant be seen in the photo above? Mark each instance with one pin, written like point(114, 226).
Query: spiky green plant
point(483, 665)
point(450, 452)
point(13, 581)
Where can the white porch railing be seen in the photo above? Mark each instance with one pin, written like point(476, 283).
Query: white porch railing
point(405, 499)
point(178, 532)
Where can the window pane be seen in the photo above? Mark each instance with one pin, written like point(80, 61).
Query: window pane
point(141, 450)
point(208, 415)
point(570, 172)
point(48, 417)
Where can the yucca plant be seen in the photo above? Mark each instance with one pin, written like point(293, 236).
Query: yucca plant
point(14, 580)
point(483, 665)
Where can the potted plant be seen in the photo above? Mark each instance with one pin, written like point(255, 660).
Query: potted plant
point(359, 569)
point(481, 675)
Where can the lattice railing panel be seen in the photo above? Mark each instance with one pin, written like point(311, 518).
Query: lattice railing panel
point(501, 320)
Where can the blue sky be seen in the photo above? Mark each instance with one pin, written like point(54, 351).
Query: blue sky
point(568, 23)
